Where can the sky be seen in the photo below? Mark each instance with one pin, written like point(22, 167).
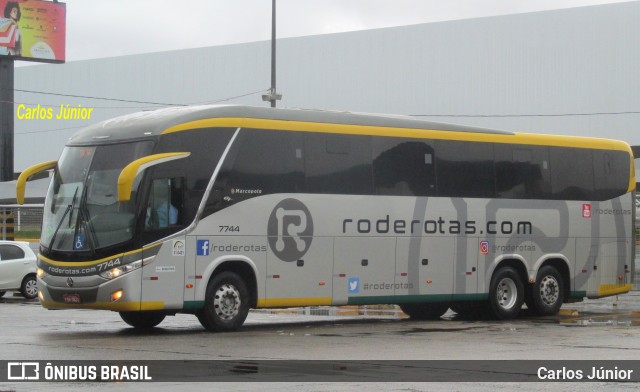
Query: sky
point(99, 28)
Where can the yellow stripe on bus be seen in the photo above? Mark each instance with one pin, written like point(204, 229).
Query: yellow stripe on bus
point(288, 302)
point(115, 306)
point(605, 290)
point(92, 262)
point(515, 138)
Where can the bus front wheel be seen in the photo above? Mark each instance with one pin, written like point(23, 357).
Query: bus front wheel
point(506, 294)
point(226, 303)
point(142, 320)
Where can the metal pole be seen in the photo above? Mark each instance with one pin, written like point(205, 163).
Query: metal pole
point(273, 53)
point(6, 119)
point(273, 96)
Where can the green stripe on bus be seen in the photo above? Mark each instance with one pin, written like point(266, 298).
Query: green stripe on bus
point(398, 299)
point(578, 294)
point(193, 305)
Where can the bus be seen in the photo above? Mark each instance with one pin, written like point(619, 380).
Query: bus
point(215, 210)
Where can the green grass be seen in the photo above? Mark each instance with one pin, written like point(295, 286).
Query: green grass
point(28, 234)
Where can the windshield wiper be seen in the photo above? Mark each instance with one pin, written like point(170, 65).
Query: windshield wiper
point(70, 206)
point(66, 211)
point(83, 219)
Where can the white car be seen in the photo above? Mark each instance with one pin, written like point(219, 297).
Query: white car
point(18, 269)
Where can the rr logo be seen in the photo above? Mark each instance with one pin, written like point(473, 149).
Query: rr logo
point(484, 247)
point(290, 230)
point(586, 210)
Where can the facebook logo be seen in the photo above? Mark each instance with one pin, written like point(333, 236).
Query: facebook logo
point(203, 247)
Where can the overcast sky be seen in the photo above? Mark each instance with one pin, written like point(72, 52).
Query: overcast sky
point(100, 28)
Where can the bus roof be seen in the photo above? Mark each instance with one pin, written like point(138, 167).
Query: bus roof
point(149, 124)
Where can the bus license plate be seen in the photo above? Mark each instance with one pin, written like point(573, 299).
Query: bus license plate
point(71, 298)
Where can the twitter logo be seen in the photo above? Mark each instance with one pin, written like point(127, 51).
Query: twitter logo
point(354, 285)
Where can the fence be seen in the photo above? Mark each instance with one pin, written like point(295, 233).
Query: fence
point(23, 221)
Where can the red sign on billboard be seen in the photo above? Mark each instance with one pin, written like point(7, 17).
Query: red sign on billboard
point(33, 30)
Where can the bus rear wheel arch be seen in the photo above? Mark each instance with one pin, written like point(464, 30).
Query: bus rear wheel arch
point(226, 303)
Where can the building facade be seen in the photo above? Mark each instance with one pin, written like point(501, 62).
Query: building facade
point(572, 71)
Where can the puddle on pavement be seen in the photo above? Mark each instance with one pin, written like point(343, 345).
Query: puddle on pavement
point(588, 319)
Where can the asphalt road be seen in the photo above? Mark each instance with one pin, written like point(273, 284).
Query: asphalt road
point(605, 329)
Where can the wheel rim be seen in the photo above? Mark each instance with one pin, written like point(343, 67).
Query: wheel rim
point(549, 290)
point(226, 302)
point(31, 288)
point(507, 293)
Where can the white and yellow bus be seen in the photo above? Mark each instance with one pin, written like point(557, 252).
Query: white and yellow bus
point(215, 210)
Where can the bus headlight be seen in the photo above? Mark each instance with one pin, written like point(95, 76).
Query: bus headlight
point(119, 271)
point(40, 273)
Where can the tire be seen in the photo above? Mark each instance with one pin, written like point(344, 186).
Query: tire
point(29, 287)
point(506, 294)
point(226, 303)
point(547, 294)
point(425, 311)
point(142, 320)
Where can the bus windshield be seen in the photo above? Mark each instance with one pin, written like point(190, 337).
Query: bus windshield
point(82, 211)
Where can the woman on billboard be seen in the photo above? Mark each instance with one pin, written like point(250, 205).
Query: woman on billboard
point(12, 12)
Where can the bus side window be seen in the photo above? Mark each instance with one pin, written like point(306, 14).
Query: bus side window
point(165, 203)
point(404, 167)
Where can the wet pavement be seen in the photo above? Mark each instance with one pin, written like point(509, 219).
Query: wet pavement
point(603, 329)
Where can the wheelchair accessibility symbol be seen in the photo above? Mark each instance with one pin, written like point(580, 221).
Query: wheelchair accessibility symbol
point(79, 242)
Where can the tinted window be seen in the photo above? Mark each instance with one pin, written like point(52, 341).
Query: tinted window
point(206, 147)
point(571, 173)
point(611, 173)
point(339, 164)
point(260, 162)
point(267, 162)
point(404, 167)
point(465, 169)
point(522, 172)
point(10, 252)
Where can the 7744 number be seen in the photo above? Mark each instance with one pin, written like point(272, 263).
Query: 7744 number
point(229, 229)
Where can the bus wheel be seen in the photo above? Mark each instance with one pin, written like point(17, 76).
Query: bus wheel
point(226, 304)
point(547, 294)
point(425, 311)
point(142, 320)
point(506, 294)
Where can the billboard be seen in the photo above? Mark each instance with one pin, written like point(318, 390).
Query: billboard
point(33, 30)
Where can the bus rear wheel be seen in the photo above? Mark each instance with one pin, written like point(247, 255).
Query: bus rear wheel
point(142, 320)
point(226, 303)
point(506, 294)
point(547, 294)
point(425, 311)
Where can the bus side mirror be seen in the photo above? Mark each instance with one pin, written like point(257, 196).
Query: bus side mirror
point(129, 173)
point(27, 173)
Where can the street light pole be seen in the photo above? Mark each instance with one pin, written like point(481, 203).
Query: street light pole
point(273, 96)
